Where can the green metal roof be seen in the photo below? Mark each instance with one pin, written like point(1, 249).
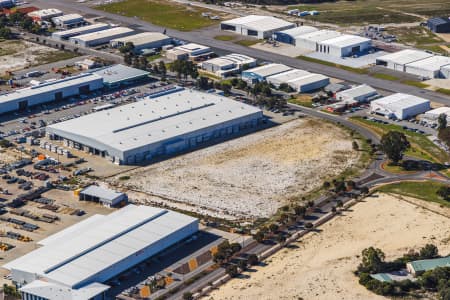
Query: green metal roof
point(384, 277)
point(430, 264)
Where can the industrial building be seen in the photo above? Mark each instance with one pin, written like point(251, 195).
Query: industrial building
point(399, 106)
point(309, 83)
point(101, 195)
point(21, 99)
point(285, 77)
point(228, 65)
point(77, 262)
point(69, 21)
point(429, 67)
point(261, 27)
point(344, 45)
point(360, 93)
point(310, 41)
point(145, 40)
point(157, 127)
point(66, 34)
point(45, 14)
point(190, 51)
point(259, 74)
point(398, 60)
point(120, 75)
point(439, 25)
point(289, 36)
point(100, 37)
point(433, 115)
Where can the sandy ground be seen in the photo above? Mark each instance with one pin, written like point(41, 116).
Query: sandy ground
point(26, 54)
point(251, 175)
point(322, 264)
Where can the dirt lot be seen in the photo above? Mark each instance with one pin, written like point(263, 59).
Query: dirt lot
point(249, 176)
point(17, 55)
point(322, 265)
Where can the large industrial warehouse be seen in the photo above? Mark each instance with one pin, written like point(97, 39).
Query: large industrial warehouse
point(429, 67)
point(50, 91)
point(299, 80)
point(144, 40)
point(262, 72)
point(289, 36)
point(345, 45)
point(76, 263)
point(100, 37)
point(261, 27)
point(66, 34)
point(310, 41)
point(157, 127)
point(398, 60)
point(399, 106)
point(228, 64)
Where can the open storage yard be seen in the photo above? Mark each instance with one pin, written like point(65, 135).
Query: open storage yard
point(17, 55)
point(321, 265)
point(250, 176)
point(164, 13)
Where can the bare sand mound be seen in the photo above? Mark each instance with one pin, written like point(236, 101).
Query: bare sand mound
point(322, 266)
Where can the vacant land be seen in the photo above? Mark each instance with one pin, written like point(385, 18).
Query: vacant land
point(163, 13)
point(322, 264)
point(374, 11)
point(253, 175)
point(17, 55)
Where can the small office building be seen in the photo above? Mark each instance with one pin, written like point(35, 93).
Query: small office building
point(45, 14)
point(228, 64)
point(68, 21)
point(190, 51)
point(261, 27)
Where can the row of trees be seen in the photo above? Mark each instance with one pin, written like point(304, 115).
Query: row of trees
point(373, 261)
point(184, 69)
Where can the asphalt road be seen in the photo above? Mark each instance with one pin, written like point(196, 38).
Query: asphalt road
point(206, 36)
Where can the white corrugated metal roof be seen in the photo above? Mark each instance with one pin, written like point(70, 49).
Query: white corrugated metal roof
point(345, 40)
point(191, 47)
point(438, 111)
point(80, 30)
point(357, 91)
point(100, 192)
point(300, 30)
point(399, 101)
point(287, 76)
point(319, 36)
point(405, 56)
point(48, 87)
point(54, 291)
point(307, 79)
point(78, 255)
point(103, 34)
point(119, 73)
point(142, 38)
point(68, 17)
point(153, 120)
point(259, 23)
point(230, 59)
point(434, 63)
point(269, 69)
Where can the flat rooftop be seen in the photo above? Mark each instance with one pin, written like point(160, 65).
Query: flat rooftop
point(119, 73)
point(307, 79)
point(400, 101)
point(80, 30)
point(346, 40)
point(269, 69)
point(300, 30)
point(103, 34)
point(48, 87)
point(405, 56)
point(153, 120)
point(356, 91)
point(68, 17)
point(289, 75)
point(434, 63)
point(229, 59)
point(259, 23)
point(102, 193)
point(191, 47)
point(142, 38)
point(82, 251)
point(319, 36)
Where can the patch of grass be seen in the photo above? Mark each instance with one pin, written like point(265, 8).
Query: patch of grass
point(247, 43)
point(421, 190)
point(303, 100)
point(162, 13)
point(153, 57)
point(443, 91)
point(434, 48)
point(327, 63)
point(224, 37)
point(396, 169)
point(416, 35)
point(421, 146)
point(209, 75)
point(125, 177)
point(52, 57)
point(415, 83)
point(385, 76)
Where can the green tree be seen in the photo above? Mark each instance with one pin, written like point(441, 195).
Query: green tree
point(372, 260)
point(300, 210)
point(162, 68)
point(127, 48)
point(429, 251)
point(232, 270)
point(252, 259)
point(259, 236)
point(442, 121)
point(188, 296)
point(355, 146)
point(309, 225)
point(394, 144)
point(444, 192)
point(273, 227)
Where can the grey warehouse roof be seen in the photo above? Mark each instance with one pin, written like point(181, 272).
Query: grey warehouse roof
point(100, 192)
point(118, 73)
point(151, 121)
point(142, 38)
point(259, 23)
point(405, 56)
point(85, 251)
point(300, 30)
